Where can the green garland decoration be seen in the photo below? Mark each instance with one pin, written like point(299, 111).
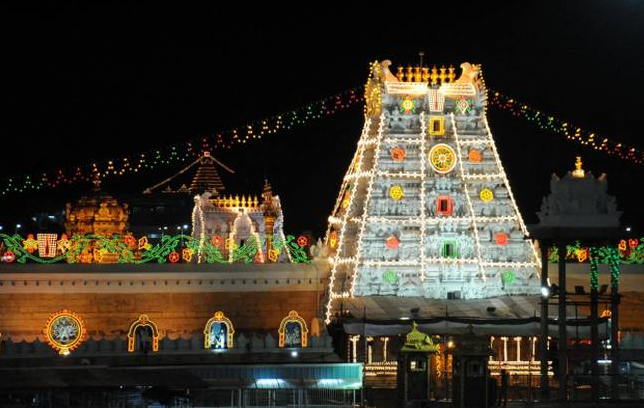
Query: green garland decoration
point(131, 251)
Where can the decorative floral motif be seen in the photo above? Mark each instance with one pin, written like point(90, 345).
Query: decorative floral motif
point(407, 105)
point(390, 276)
point(130, 241)
point(486, 195)
point(474, 156)
point(396, 192)
point(143, 243)
point(174, 257)
point(30, 244)
point(463, 106)
point(398, 154)
point(508, 277)
point(216, 240)
point(302, 241)
point(187, 254)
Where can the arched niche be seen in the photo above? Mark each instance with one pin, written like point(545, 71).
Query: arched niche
point(218, 333)
point(141, 331)
point(293, 331)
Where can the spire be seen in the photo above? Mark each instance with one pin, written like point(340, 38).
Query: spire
point(207, 177)
point(578, 172)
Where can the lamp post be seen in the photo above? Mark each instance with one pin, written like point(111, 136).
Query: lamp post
point(18, 226)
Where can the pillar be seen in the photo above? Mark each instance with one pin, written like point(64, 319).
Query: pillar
point(563, 335)
point(594, 332)
point(543, 345)
point(614, 322)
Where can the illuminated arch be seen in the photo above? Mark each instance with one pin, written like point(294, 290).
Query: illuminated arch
point(293, 317)
point(142, 321)
point(230, 330)
point(64, 331)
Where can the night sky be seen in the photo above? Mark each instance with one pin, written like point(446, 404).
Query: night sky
point(89, 82)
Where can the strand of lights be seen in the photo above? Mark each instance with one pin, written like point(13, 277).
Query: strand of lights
point(365, 213)
point(614, 269)
point(441, 220)
point(357, 162)
point(185, 151)
point(423, 129)
point(506, 182)
point(552, 124)
point(594, 272)
point(468, 199)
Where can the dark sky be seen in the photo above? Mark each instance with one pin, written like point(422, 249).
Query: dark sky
point(85, 82)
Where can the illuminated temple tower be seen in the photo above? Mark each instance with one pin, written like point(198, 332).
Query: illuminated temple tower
point(425, 208)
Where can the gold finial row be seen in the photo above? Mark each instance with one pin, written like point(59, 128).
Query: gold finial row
point(423, 74)
point(230, 201)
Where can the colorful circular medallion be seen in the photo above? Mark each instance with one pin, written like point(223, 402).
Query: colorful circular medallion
point(474, 156)
point(64, 331)
point(501, 238)
point(302, 241)
point(390, 276)
point(442, 158)
point(398, 154)
point(396, 192)
point(486, 195)
point(392, 242)
point(508, 276)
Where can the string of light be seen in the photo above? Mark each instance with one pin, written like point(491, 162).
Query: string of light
point(185, 151)
point(553, 124)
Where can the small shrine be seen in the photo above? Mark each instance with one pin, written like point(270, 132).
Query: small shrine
point(239, 219)
point(579, 199)
point(414, 367)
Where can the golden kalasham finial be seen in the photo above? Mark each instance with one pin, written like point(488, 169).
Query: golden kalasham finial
point(400, 74)
point(425, 74)
point(451, 75)
point(578, 171)
point(417, 75)
point(434, 75)
point(442, 75)
point(410, 74)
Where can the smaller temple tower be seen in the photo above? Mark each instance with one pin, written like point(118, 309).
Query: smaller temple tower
point(98, 213)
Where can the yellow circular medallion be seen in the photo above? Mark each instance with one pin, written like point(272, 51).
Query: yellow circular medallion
point(442, 158)
point(486, 195)
point(396, 192)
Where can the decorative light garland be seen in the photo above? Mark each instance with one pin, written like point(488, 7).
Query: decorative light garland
point(628, 252)
point(185, 151)
point(127, 249)
point(552, 124)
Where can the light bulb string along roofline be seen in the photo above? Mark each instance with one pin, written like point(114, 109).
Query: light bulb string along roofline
point(189, 150)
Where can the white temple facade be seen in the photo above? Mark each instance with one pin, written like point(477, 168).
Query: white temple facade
point(425, 208)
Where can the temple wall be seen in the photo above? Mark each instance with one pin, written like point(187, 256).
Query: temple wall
point(256, 300)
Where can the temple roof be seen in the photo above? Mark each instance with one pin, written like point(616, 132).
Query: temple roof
point(207, 178)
